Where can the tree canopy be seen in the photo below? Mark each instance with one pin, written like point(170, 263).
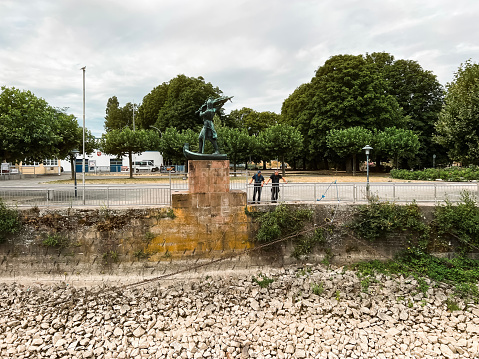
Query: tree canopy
point(236, 143)
point(349, 143)
point(281, 141)
point(121, 142)
point(372, 91)
point(458, 123)
point(419, 94)
point(174, 103)
point(172, 142)
point(32, 130)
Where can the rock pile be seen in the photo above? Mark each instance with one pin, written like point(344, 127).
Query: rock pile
point(306, 313)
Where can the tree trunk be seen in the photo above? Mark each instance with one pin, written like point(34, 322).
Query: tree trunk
point(348, 165)
point(73, 164)
point(354, 164)
point(283, 166)
point(130, 161)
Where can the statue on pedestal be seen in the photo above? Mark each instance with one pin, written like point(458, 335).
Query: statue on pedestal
point(207, 112)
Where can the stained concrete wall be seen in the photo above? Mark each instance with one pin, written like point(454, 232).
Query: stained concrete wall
point(155, 241)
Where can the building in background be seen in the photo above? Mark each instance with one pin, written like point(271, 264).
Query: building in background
point(98, 162)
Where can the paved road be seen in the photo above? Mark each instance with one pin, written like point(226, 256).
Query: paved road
point(10, 181)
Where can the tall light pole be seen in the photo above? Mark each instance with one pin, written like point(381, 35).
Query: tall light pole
point(83, 161)
point(75, 153)
point(367, 148)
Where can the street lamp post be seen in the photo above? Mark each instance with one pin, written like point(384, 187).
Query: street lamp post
point(75, 153)
point(83, 161)
point(367, 148)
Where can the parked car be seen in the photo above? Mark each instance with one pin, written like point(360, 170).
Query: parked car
point(148, 166)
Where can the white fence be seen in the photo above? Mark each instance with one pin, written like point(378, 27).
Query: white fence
point(357, 192)
point(159, 195)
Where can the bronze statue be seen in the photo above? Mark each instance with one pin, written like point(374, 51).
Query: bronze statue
point(207, 112)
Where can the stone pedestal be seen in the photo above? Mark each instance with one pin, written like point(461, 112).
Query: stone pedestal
point(209, 176)
point(209, 217)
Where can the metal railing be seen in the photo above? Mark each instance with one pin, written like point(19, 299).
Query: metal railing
point(357, 192)
point(160, 194)
point(88, 195)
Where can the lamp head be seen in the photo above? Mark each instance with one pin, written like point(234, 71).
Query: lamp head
point(367, 148)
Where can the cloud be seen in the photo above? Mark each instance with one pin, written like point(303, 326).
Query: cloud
point(257, 51)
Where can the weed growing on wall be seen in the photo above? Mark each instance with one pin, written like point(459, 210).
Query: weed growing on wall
point(56, 241)
point(9, 221)
point(460, 221)
point(282, 221)
point(382, 218)
point(304, 245)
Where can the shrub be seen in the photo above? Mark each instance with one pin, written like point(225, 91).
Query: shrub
point(9, 221)
point(282, 221)
point(380, 218)
point(460, 221)
point(451, 174)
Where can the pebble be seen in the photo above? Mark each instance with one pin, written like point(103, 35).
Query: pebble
point(229, 315)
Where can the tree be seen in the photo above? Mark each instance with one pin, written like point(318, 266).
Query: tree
point(252, 121)
point(419, 94)
point(172, 142)
point(458, 123)
point(174, 103)
point(30, 129)
point(348, 92)
point(281, 141)
point(296, 112)
point(235, 143)
point(127, 142)
point(349, 143)
point(118, 117)
point(72, 138)
point(396, 143)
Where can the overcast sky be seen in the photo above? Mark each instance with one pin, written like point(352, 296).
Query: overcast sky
point(257, 51)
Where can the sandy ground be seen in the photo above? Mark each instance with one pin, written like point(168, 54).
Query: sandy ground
point(291, 176)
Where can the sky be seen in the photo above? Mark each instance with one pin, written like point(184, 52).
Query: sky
point(257, 51)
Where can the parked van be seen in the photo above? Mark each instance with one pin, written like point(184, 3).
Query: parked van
point(147, 166)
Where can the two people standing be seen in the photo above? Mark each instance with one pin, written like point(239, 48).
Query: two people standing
point(259, 182)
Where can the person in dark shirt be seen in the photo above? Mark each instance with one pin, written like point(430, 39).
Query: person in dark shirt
point(258, 185)
point(275, 177)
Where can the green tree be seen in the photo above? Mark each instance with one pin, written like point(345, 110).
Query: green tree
point(350, 92)
point(236, 143)
point(349, 143)
point(419, 94)
point(128, 142)
point(281, 141)
point(458, 123)
point(31, 129)
point(396, 143)
point(296, 112)
point(172, 142)
point(72, 138)
point(174, 103)
point(252, 121)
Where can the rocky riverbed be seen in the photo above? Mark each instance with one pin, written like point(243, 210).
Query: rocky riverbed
point(310, 312)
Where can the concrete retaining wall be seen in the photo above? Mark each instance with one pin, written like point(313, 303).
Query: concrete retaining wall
point(150, 242)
